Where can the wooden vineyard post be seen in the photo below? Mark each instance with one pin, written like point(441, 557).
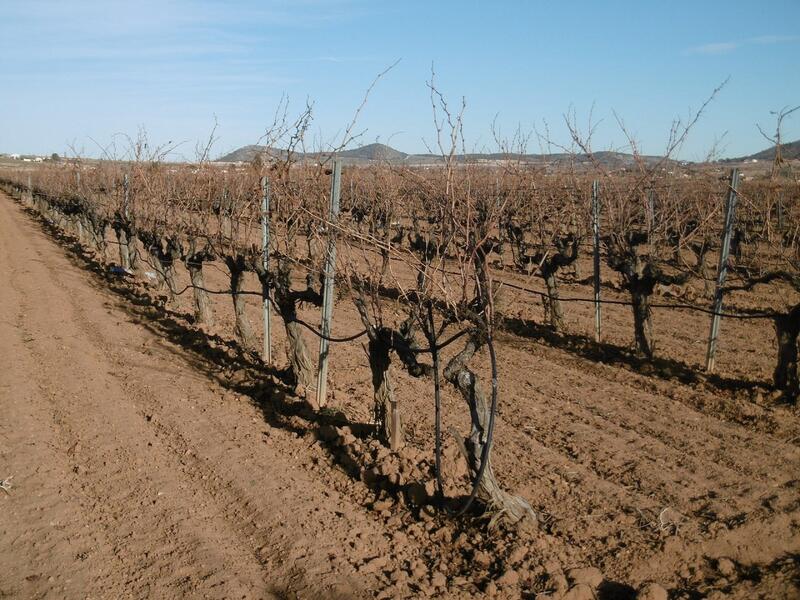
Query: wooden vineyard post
point(327, 296)
point(124, 245)
point(126, 195)
point(722, 269)
point(267, 356)
point(78, 222)
point(30, 189)
point(596, 238)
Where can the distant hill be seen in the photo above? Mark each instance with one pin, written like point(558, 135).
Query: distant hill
point(380, 152)
point(372, 153)
point(248, 153)
point(368, 153)
point(789, 151)
point(243, 154)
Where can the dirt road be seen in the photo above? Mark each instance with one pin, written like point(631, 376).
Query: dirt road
point(134, 475)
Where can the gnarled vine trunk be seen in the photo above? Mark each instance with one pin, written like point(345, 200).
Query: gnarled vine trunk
point(162, 262)
point(787, 328)
point(552, 303)
point(97, 232)
point(124, 248)
point(243, 328)
point(387, 410)
point(203, 309)
point(167, 259)
point(300, 365)
point(507, 506)
point(640, 274)
point(642, 317)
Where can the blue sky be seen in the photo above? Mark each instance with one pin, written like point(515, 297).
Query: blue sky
point(73, 72)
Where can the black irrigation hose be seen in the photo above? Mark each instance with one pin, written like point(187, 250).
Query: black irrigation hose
point(319, 334)
point(355, 336)
point(437, 403)
point(679, 306)
point(444, 344)
point(197, 287)
point(311, 328)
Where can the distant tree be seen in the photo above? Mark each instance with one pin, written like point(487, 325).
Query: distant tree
point(776, 139)
point(55, 157)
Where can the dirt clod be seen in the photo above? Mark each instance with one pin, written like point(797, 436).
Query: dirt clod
point(509, 578)
point(591, 576)
point(579, 592)
point(652, 591)
point(726, 567)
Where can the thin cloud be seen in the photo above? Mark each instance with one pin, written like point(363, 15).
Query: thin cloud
point(717, 48)
point(774, 39)
point(714, 48)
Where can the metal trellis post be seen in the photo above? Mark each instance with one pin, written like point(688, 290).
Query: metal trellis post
point(722, 269)
point(596, 237)
point(125, 195)
point(651, 210)
point(265, 262)
point(78, 222)
point(327, 297)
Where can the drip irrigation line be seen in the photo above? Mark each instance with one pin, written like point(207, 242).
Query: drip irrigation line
point(216, 292)
point(430, 331)
point(311, 328)
point(543, 294)
point(677, 306)
point(355, 336)
point(664, 305)
point(320, 335)
point(434, 349)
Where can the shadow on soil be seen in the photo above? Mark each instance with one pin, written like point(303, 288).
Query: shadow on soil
point(586, 348)
point(664, 368)
point(784, 570)
point(224, 360)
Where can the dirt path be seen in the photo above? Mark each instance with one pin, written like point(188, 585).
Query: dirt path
point(134, 475)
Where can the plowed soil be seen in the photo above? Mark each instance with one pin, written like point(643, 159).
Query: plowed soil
point(151, 458)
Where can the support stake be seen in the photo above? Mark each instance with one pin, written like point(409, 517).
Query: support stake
point(125, 195)
point(596, 236)
point(267, 356)
point(327, 297)
point(722, 269)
